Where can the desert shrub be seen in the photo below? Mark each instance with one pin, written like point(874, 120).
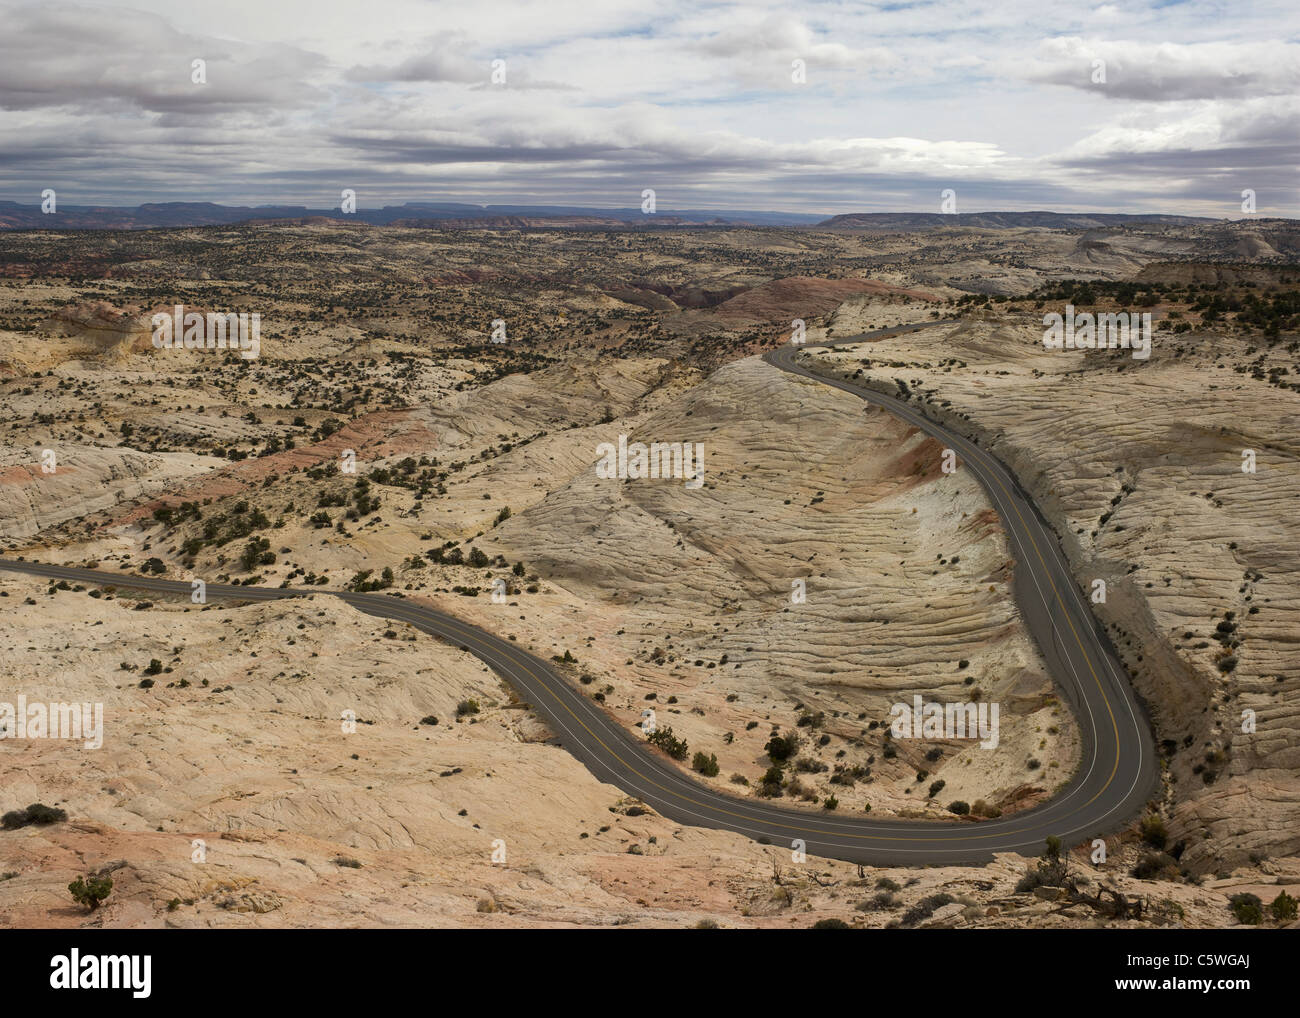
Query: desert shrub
point(831, 924)
point(879, 900)
point(1153, 831)
point(706, 765)
point(1283, 907)
point(669, 743)
point(36, 813)
point(959, 807)
point(466, 707)
point(90, 890)
point(769, 786)
point(1247, 908)
point(1156, 866)
point(257, 551)
point(40, 814)
point(926, 907)
point(780, 748)
point(1050, 870)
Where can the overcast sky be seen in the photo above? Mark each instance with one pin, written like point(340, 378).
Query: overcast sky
point(603, 98)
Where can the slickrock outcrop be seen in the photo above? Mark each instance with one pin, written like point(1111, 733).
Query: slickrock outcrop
point(1139, 467)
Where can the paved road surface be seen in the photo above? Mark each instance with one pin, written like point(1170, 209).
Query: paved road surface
point(1117, 774)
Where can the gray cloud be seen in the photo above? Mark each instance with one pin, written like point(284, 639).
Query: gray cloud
point(394, 99)
point(1170, 72)
point(442, 57)
point(59, 55)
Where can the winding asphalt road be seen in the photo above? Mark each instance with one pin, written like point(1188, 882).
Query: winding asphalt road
point(1118, 769)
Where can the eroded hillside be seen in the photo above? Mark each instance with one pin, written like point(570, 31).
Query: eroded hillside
point(391, 437)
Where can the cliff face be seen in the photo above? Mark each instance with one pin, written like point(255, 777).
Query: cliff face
point(102, 327)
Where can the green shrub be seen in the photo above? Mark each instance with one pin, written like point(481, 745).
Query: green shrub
point(36, 813)
point(1283, 907)
point(1051, 870)
point(91, 891)
point(925, 908)
point(769, 786)
point(1153, 831)
point(706, 765)
point(669, 743)
point(781, 748)
point(1247, 908)
point(1156, 866)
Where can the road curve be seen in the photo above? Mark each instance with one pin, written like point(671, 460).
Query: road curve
point(1116, 776)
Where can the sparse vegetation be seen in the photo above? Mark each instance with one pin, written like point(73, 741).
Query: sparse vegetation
point(36, 813)
point(91, 891)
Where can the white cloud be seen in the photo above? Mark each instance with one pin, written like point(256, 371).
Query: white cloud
point(1170, 71)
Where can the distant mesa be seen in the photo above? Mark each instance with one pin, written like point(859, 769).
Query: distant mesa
point(414, 215)
point(463, 216)
point(904, 221)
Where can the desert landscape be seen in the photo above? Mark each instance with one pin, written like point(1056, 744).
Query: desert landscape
point(423, 420)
